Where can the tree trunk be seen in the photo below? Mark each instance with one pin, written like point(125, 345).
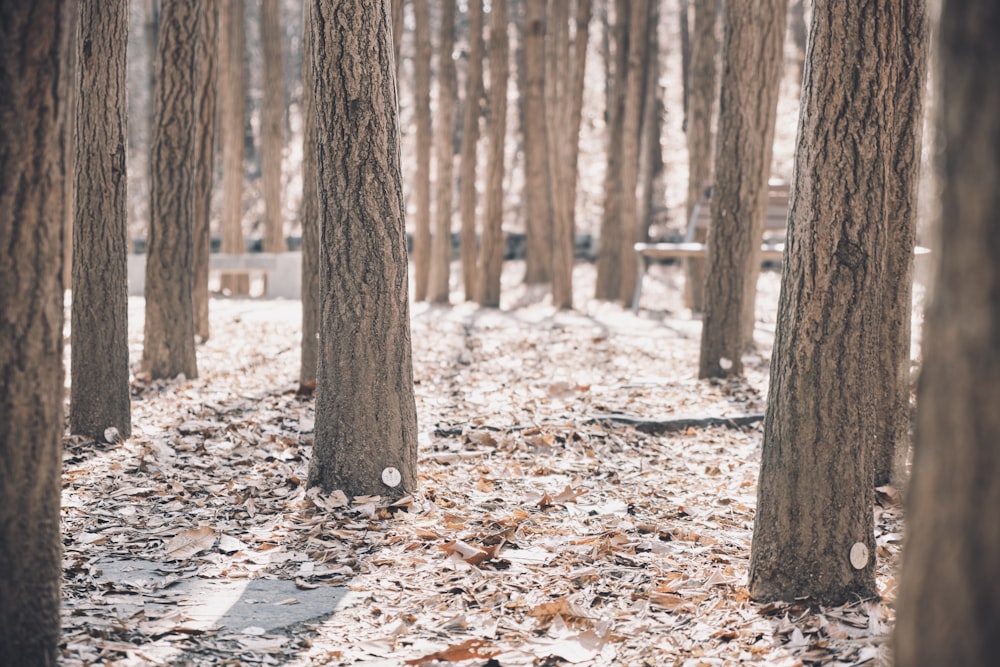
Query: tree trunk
point(99, 366)
point(797, 24)
point(491, 253)
point(609, 269)
point(751, 78)
point(538, 211)
point(232, 106)
point(949, 594)
point(684, 30)
point(894, 362)
point(272, 118)
point(205, 101)
point(701, 107)
point(398, 26)
point(650, 152)
point(366, 419)
point(470, 139)
point(447, 92)
point(632, 123)
point(33, 53)
point(556, 101)
point(71, 95)
point(422, 114)
point(310, 215)
point(813, 533)
point(168, 348)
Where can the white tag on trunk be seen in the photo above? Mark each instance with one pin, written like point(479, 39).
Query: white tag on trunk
point(391, 477)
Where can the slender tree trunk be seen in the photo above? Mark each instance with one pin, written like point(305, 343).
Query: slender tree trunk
point(425, 137)
point(205, 100)
point(232, 105)
point(751, 79)
point(168, 348)
point(797, 23)
point(538, 207)
point(470, 139)
point(650, 153)
point(99, 366)
point(310, 214)
point(366, 419)
point(701, 108)
point(949, 595)
point(398, 26)
point(33, 55)
point(556, 101)
point(894, 362)
point(491, 253)
point(684, 30)
point(447, 92)
point(813, 533)
point(272, 119)
point(71, 96)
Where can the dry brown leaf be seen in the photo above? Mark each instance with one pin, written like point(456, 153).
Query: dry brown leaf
point(467, 650)
point(190, 542)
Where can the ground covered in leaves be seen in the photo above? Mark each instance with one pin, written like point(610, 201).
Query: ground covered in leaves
point(548, 529)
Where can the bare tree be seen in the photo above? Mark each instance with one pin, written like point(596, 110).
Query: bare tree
point(272, 123)
point(310, 215)
point(425, 137)
point(447, 92)
point(538, 214)
point(470, 139)
point(232, 113)
point(205, 100)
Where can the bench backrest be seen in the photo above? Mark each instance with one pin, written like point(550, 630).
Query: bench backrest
point(777, 210)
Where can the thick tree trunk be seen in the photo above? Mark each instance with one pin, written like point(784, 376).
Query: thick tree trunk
point(701, 108)
point(425, 137)
point(751, 78)
point(232, 107)
point(538, 207)
point(310, 215)
point(99, 366)
point(470, 139)
point(272, 119)
point(447, 92)
point(366, 419)
point(168, 347)
point(949, 596)
point(205, 100)
point(491, 252)
point(33, 53)
point(894, 362)
point(813, 533)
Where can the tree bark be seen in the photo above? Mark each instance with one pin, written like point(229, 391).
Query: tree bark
point(232, 107)
point(491, 252)
point(205, 101)
point(71, 95)
point(366, 420)
point(894, 362)
point(447, 92)
point(701, 109)
point(538, 207)
point(33, 56)
point(650, 151)
point(99, 365)
point(949, 595)
point(815, 496)
point(272, 118)
point(425, 137)
point(751, 79)
point(470, 139)
point(398, 26)
point(168, 347)
point(310, 215)
point(557, 135)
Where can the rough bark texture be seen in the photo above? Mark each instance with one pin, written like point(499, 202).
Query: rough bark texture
point(631, 126)
point(701, 107)
point(99, 365)
point(815, 496)
point(366, 418)
point(910, 73)
point(556, 136)
point(168, 347)
point(232, 114)
point(310, 215)
point(538, 213)
point(425, 137)
point(470, 140)
point(33, 45)
point(205, 100)
point(445, 142)
point(609, 269)
point(751, 77)
point(949, 597)
point(272, 117)
point(491, 252)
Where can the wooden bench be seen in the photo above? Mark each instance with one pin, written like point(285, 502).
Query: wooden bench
point(772, 244)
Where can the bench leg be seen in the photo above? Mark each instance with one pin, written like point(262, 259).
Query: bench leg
point(642, 265)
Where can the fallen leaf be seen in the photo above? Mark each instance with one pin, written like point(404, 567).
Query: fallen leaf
point(190, 542)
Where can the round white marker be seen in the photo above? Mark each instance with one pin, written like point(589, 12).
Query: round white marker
point(111, 435)
point(391, 477)
point(859, 555)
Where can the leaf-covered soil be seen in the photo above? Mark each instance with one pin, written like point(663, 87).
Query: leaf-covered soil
point(543, 532)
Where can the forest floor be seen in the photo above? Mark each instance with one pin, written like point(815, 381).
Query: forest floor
point(542, 533)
